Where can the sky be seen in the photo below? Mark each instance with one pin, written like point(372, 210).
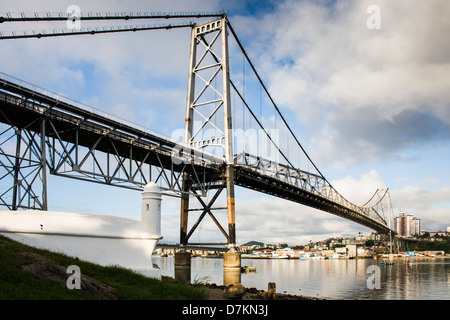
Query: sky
point(367, 95)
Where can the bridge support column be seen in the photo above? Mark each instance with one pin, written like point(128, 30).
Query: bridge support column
point(17, 182)
point(43, 166)
point(231, 206)
point(231, 267)
point(183, 266)
point(231, 259)
point(184, 210)
point(25, 166)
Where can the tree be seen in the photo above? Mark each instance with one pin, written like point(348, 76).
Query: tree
point(369, 243)
point(425, 235)
point(433, 246)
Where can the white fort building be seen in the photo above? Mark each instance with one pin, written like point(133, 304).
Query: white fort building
point(101, 239)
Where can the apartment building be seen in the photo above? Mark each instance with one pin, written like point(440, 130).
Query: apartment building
point(407, 225)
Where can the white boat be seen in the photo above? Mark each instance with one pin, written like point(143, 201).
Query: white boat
point(317, 256)
point(281, 256)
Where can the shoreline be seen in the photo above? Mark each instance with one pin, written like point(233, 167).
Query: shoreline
point(216, 292)
point(375, 257)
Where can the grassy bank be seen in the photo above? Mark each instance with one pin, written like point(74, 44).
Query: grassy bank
point(28, 273)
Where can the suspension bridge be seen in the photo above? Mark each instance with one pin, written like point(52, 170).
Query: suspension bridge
point(235, 135)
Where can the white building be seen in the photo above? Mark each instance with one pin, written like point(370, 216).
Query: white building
point(101, 239)
point(351, 250)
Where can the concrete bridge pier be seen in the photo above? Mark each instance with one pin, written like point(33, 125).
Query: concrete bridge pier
point(183, 266)
point(231, 267)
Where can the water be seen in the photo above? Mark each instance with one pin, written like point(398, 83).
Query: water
point(423, 279)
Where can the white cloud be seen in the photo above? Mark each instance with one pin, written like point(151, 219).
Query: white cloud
point(412, 198)
point(435, 219)
point(347, 83)
point(359, 191)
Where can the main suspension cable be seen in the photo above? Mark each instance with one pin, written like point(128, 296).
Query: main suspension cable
point(92, 31)
point(108, 16)
point(271, 99)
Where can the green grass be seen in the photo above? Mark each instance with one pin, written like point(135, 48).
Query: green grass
point(18, 284)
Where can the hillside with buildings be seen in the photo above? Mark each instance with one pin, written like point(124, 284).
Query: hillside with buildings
point(359, 246)
point(429, 243)
point(341, 247)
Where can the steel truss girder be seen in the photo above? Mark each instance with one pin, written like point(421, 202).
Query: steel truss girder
point(118, 165)
point(303, 187)
point(72, 142)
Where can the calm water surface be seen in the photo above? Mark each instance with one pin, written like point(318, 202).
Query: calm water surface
point(419, 279)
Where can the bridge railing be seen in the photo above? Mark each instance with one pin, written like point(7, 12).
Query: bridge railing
point(58, 97)
point(304, 180)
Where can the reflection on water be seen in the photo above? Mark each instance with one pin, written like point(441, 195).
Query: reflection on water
point(423, 279)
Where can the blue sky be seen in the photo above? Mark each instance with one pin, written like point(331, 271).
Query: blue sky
point(371, 107)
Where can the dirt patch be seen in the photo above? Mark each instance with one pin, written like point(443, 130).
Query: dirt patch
point(45, 269)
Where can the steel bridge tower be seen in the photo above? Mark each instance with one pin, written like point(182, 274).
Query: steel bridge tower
point(208, 98)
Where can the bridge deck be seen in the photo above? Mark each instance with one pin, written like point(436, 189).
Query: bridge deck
point(248, 178)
